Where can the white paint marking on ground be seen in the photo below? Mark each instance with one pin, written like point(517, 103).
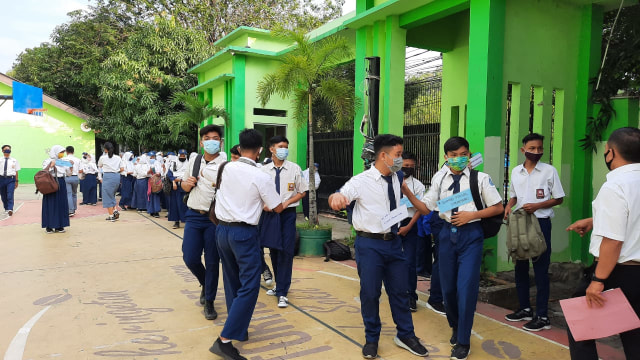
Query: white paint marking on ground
point(476, 335)
point(345, 265)
point(7, 217)
point(19, 342)
point(524, 331)
point(338, 275)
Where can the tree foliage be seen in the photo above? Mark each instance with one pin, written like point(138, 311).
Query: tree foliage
point(185, 123)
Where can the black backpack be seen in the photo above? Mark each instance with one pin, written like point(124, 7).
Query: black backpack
point(490, 226)
point(337, 251)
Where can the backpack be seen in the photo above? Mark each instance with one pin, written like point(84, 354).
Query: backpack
point(194, 173)
point(524, 236)
point(337, 251)
point(155, 183)
point(45, 182)
point(490, 226)
point(167, 185)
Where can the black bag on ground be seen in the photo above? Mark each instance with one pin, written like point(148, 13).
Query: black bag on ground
point(490, 226)
point(337, 251)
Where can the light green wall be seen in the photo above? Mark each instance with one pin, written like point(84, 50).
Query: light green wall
point(225, 67)
point(30, 136)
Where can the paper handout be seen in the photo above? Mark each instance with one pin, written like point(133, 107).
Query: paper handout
point(616, 316)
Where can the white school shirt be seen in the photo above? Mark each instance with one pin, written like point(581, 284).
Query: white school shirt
point(616, 212)
point(291, 181)
point(76, 164)
point(305, 175)
point(12, 166)
point(89, 167)
point(542, 184)
point(59, 171)
point(179, 168)
point(443, 180)
point(244, 191)
point(371, 193)
point(110, 164)
point(141, 171)
point(417, 188)
point(201, 195)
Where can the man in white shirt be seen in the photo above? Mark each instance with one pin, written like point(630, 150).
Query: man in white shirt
point(305, 199)
point(199, 231)
point(72, 181)
point(244, 191)
point(461, 238)
point(615, 240)
point(9, 168)
point(379, 253)
point(289, 184)
point(536, 188)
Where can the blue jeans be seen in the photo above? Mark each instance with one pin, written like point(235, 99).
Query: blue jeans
point(541, 270)
point(7, 188)
point(72, 192)
point(199, 236)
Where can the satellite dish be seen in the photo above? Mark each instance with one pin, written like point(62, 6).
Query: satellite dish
point(84, 127)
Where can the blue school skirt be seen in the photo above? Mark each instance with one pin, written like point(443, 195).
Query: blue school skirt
point(177, 207)
point(110, 183)
point(90, 189)
point(126, 190)
point(55, 207)
point(140, 194)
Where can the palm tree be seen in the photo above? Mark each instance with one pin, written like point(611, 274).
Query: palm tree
point(306, 75)
point(184, 125)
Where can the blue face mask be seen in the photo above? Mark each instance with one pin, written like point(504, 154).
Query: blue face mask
point(211, 146)
point(151, 161)
point(7, 151)
point(282, 153)
point(458, 163)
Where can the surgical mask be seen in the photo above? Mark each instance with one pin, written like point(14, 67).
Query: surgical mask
point(608, 162)
point(533, 157)
point(152, 161)
point(458, 163)
point(397, 164)
point(408, 171)
point(60, 155)
point(211, 146)
point(182, 159)
point(282, 153)
point(7, 151)
point(84, 156)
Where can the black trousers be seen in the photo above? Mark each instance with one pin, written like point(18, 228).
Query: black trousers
point(625, 277)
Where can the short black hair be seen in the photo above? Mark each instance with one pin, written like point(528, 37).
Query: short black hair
point(408, 155)
point(250, 139)
point(626, 142)
point(234, 150)
point(277, 140)
point(70, 149)
point(385, 140)
point(211, 128)
point(532, 137)
point(5, 146)
point(455, 143)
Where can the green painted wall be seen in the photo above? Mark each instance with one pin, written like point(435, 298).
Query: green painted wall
point(31, 136)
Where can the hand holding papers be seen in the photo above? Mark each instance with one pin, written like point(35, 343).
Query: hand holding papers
point(394, 217)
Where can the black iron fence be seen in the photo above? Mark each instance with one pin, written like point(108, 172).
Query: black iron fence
point(333, 151)
point(424, 142)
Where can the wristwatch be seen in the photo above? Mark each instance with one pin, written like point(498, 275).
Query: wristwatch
point(595, 278)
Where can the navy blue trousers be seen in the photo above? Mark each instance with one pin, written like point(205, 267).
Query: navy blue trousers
point(199, 236)
point(282, 260)
point(239, 249)
point(379, 262)
point(460, 275)
point(409, 246)
point(126, 190)
point(90, 189)
point(541, 270)
point(424, 255)
point(7, 188)
point(435, 290)
point(55, 207)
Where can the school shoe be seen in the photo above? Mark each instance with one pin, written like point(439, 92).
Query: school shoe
point(272, 292)
point(413, 307)
point(110, 218)
point(155, 215)
point(520, 315)
point(226, 351)
point(538, 323)
point(72, 213)
point(283, 302)
point(453, 341)
point(60, 230)
point(116, 215)
point(460, 352)
point(49, 231)
point(411, 344)
point(202, 299)
point(176, 225)
point(437, 308)
point(209, 312)
point(10, 212)
point(370, 350)
point(267, 276)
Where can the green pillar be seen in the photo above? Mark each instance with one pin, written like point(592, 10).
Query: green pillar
point(392, 73)
point(362, 39)
point(238, 97)
point(485, 92)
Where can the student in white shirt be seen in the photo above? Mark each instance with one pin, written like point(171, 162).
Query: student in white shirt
point(244, 191)
point(55, 206)
point(90, 182)
point(127, 181)
point(9, 168)
point(461, 239)
point(72, 181)
point(378, 247)
point(536, 188)
point(154, 205)
point(176, 169)
point(111, 166)
point(615, 239)
point(199, 231)
point(288, 182)
point(141, 172)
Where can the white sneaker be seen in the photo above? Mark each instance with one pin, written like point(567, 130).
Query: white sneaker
point(271, 292)
point(283, 302)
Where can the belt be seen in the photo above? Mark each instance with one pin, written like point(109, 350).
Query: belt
point(8, 176)
point(201, 212)
point(386, 236)
point(238, 223)
point(289, 209)
point(630, 262)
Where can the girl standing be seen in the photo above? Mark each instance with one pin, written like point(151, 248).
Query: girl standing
point(55, 207)
point(111, 167)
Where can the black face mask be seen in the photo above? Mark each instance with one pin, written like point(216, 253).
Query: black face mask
point(84, 156)
point(605, 159)
point(182, 159)
point(408, 171)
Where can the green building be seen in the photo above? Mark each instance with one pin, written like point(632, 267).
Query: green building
point(32, 135)
point(508, 67)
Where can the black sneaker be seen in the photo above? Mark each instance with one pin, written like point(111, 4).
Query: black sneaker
point(116, 215)
point(155, 215)
point(454, 338)
point(202, 296)
point(209, 312)
point(226, 351)
point(370, 350)
point(60, 230)
point(460, 352)
point(437, 307)
point(176, 225)
point(411, 344)
point(520, 315)
point(267, 276)
point(49, 231)
point(537, 324)
point(412, 305)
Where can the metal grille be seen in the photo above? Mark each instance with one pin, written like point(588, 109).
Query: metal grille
point(422, 101)
point(333, 151)
point(424, 142)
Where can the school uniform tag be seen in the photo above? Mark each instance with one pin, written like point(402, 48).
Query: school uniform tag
point(455, 200)
point(291, 186)
point(394, 217)
point(405, 201)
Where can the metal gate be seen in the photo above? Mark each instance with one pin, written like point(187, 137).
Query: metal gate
point(333, 151)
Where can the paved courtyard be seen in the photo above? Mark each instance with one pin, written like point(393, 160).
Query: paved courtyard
point(120, 290)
